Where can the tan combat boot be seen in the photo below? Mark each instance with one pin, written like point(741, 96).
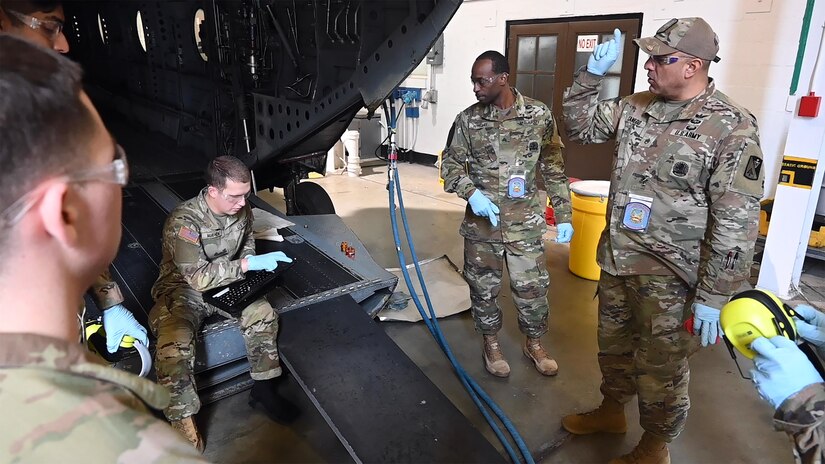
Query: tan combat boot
point(493, 358)
point(534, 351)
point(608, 417)
point(187, 428)
point(650, 450)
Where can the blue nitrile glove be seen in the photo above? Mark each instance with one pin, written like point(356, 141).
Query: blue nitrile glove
point(812, 329)
point(119, 322)
point(267, 261)
point(482, 206)
point(605, 55)
point(782, 369)
point(706, 323)
point(565, 232)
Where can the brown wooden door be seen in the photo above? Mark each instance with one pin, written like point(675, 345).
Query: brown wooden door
point(543, 57)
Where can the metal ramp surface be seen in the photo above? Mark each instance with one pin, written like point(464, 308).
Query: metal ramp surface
point(377, 401)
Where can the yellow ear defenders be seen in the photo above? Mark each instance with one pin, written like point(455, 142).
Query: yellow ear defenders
point(95, 337)
point(752, 314)
point(759, 313)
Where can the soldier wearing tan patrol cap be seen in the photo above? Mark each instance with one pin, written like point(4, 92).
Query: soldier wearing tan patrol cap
point(682, 220)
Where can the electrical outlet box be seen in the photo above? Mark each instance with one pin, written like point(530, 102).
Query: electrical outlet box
point(435, 56)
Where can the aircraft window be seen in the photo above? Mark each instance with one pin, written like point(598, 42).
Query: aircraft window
point(270, 109)
point(140, 32)
point(104, 30)
point(261, 130)
point(200, 17)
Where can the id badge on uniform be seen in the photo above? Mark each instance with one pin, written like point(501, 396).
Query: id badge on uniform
point(516, 184)
point(637, 212)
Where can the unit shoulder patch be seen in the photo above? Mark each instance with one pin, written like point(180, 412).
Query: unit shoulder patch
point(753, 168)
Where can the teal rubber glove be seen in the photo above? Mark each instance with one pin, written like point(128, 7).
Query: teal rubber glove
point(119, 322)
point(706, 323)
point(565, 232)
point(605, 55)
point(482, 206)
point(267, 261)
point(812, 328)
point(782, 369)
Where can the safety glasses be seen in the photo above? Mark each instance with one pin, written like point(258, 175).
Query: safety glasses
point(235, 199)
point(116, 172)
point(51, 28)
point(665, 60)
point(485, 81)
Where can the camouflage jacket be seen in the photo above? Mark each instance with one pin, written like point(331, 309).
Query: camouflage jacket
point(701, 165)
point(487, 149)
point(201, 249)
point(802, 416)
point(106, 292)
point(61, 404)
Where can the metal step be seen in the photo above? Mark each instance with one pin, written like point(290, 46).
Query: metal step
point(377, 401)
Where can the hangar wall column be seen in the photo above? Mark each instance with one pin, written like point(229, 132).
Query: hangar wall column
point(800, 180)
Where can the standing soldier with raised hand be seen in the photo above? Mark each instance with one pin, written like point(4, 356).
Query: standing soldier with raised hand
point(682, 220)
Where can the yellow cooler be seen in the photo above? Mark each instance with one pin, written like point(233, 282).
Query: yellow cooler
point(589, 201)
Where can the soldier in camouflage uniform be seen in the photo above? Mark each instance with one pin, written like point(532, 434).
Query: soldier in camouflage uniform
point(59, 228)
point(499, 145)
point(786, 379)
point(208, 243)
point(682, 219)
point(117, 320)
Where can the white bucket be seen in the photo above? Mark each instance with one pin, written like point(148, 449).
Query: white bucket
point(352, 139)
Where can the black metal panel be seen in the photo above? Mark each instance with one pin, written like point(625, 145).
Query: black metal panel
point(313, 271)
point(379, 403)
point(186, 188)
point(317, 60)
point(144, 221)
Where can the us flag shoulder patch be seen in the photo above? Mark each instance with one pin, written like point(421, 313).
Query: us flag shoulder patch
point(188, 235)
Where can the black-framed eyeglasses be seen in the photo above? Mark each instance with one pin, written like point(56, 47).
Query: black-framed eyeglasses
point(485, 81)
point(50, 27)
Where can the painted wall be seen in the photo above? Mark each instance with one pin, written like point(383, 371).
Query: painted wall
point(758, 43)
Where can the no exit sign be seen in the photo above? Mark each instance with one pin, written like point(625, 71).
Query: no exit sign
point(587, 43)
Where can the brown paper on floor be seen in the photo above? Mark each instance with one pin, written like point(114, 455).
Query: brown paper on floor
point(448, 291)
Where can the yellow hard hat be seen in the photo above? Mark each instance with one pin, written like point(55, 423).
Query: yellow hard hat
point(752, 314)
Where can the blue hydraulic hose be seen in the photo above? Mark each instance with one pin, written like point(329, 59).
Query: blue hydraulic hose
point(476, 392)
point(436, 332)
point(436, 329)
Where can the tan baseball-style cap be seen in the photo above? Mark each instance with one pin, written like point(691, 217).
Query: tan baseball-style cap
point(687, 35)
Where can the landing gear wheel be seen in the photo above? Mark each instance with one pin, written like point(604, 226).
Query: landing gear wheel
point(311, 198)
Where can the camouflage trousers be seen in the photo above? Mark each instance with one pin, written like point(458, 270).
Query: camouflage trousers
point(175, 322)
point(644, 348)
point(483, 262)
